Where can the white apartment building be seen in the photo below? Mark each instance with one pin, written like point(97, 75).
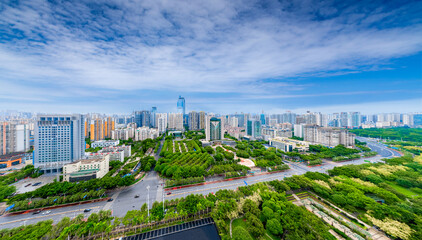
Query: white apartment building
point(83, 170)
point(14, 137)
point(175, 121)
point(328, 136)
point(143, 133)
point(298, 130)
point(162, 122)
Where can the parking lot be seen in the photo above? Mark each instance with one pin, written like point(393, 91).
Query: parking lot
point(44, 179)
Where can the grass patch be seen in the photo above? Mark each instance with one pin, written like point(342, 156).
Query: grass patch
point(402, 190)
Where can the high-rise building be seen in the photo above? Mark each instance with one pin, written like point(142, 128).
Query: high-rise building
point(408, 120)
point(343, 119)
point(354, 120)
point(153, 117)
point(142, 118)
point(328, 136)
point(14, 137)
point(181, 108)
point(262, 119)
point(298, 130)
point(234, 122)
point(162, 122)
point(253, 128)
point(214, 129)
point(59, 140)
point(202, 120)
point(108, 127)
point(97, 129)
point(193, 120)
point(175, 121)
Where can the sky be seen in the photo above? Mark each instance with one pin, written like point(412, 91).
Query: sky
point(222, 56)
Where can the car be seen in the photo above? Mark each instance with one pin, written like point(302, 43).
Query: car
point(168, 193)
point(47, 212)
point(110, 200)
point(27, 185)
point(136, 196)
point(36, 212)
point(87, 210)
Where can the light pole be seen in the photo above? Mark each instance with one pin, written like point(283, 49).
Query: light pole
point(148, 201)
point(163, 200)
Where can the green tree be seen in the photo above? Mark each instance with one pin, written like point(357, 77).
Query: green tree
point(274, 226)
point(239, 233)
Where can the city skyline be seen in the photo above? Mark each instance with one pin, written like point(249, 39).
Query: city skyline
point(228, 56)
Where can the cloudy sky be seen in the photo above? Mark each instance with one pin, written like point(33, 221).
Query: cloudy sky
point(222, 56)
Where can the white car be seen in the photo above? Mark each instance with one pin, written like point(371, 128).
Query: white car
point(47, 212)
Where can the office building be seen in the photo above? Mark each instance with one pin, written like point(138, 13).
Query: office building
point(84, 170)
point(14, 137)
point(214, 129)
point(181, 108)
point(59, 140)
point(253, 128)
point(262, 119)
point(142, 118)
point(153, 117)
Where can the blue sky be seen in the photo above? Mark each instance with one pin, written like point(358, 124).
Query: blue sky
point(222, 56)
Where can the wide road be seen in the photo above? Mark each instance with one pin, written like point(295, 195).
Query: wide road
point(382, 150)
point(124, 199)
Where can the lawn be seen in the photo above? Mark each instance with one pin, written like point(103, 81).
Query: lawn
point(402, 190)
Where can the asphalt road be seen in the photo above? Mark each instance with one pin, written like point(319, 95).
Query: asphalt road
point(124, 200)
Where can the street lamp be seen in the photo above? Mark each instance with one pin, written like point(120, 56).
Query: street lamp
point(148, 201)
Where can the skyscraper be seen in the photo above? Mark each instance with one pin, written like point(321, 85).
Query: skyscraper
point(253, 128)
point(153, 118)
point(142, 118)
point(214, 129)
point(59, 139)
point(262, 118)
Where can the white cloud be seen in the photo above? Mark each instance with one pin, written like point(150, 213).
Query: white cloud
point(194, 46)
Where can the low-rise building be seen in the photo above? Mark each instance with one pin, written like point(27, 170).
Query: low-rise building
point(115, 153)
point(287, 144)
point(105, 143)
point(12, 159)
point(87, 169)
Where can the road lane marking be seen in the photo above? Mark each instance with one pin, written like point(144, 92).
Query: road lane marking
point(49, 215)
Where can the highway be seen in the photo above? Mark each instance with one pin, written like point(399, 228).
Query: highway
point(124, 199)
